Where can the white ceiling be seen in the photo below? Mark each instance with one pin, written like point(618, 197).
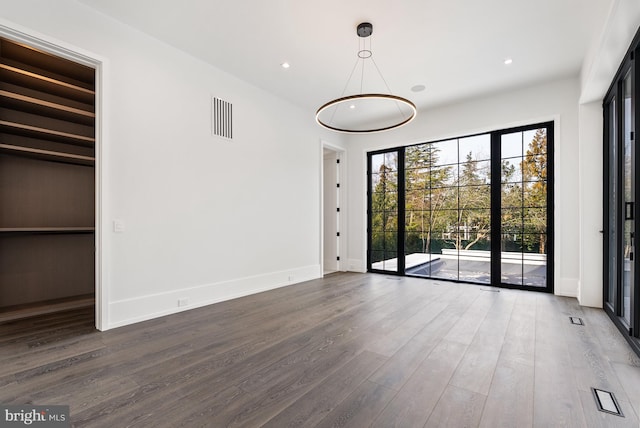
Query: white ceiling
point(455, 48)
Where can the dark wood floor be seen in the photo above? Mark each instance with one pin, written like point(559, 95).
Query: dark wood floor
point(349, 350)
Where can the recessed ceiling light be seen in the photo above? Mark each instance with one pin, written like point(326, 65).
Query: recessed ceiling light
point(352, 106)
point(285, 65)
point(418, 88)
point(508, 61)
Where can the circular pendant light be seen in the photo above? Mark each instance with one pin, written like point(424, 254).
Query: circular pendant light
point(365, 112)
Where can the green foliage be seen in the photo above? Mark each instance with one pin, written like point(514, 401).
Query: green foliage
point(450, 206)
point(534, 174)
point(384, 209)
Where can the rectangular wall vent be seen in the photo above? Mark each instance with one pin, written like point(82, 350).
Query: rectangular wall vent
point(221, 118)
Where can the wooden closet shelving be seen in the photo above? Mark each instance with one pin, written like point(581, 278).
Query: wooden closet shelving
point(24, 77)
point(39, 106)
point(47, 155)
point(51, 134)
point(47, 229)
point(47, 178)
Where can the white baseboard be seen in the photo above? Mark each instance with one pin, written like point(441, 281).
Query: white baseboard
point(130, 311)
point(356, 265)
point(567, 287)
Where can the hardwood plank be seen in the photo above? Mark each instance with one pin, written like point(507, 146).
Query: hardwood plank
point(418, 397)
point(465, 329)
point(400, 367)
point(360, 408)
point(54, 351)
point(194, 410)
point(520, 337)
point(556, 398)
point(457, 407)
point(629, 378)
point(388, 344)
point(476, 369)
point(510, 400)
point(237, 365)
point(300, 356)
point(610, 337)
point(312, 407)
point(589, 360)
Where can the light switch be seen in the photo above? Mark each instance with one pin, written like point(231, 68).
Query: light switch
point(118, 226)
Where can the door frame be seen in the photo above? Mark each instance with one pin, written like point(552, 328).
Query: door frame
point(495, 162)
point(341, 156)
point(614, 309)
point(56, 47)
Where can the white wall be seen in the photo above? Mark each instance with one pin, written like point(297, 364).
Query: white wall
point(191, 202)
point(206, 219)
point(590, 179)
point(598, 70)
point(556, 101)
point(607, 51)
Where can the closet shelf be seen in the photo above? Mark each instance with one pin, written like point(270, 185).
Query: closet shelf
point(48, 184)
point(22, 74)
point(50, 134)
point(47, 230)
point(47, 155)
point(46, 108)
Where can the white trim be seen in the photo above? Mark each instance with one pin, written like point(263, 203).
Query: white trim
point(53, 46)
point(341, 155)
point(142, 308)
point(364, 220)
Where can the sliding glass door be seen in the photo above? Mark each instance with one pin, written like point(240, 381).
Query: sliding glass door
point(435, 212)
point(621, 292)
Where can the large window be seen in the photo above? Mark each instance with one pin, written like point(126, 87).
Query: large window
point(523, 213)
point(435, 212)
point(447, 209)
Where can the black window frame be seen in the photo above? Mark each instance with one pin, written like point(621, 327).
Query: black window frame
point(495, 189)
point(630, 331)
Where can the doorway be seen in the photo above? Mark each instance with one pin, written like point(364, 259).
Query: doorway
point(49, 163)
point(332, 209)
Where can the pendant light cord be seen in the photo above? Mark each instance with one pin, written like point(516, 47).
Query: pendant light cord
point(363, 53)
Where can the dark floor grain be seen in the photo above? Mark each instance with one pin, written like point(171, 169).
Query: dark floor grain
point(348, 350)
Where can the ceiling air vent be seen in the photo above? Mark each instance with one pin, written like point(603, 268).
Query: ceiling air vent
point(221, 118)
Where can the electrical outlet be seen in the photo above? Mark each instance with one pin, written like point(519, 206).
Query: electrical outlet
point(183, 301)
point(118, 226)
point(290, 278)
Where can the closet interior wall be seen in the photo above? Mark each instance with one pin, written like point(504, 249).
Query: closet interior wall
point(47, 179)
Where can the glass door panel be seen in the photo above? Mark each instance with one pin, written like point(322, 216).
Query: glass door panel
point(621, 114)
point(435, 212)
point(612, 206)
point(383, 228)
point(524, 208)
point(629, 208)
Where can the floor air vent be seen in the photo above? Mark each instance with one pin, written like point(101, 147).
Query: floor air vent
point(607, 402)
point(576, 321)
point(221, 118)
